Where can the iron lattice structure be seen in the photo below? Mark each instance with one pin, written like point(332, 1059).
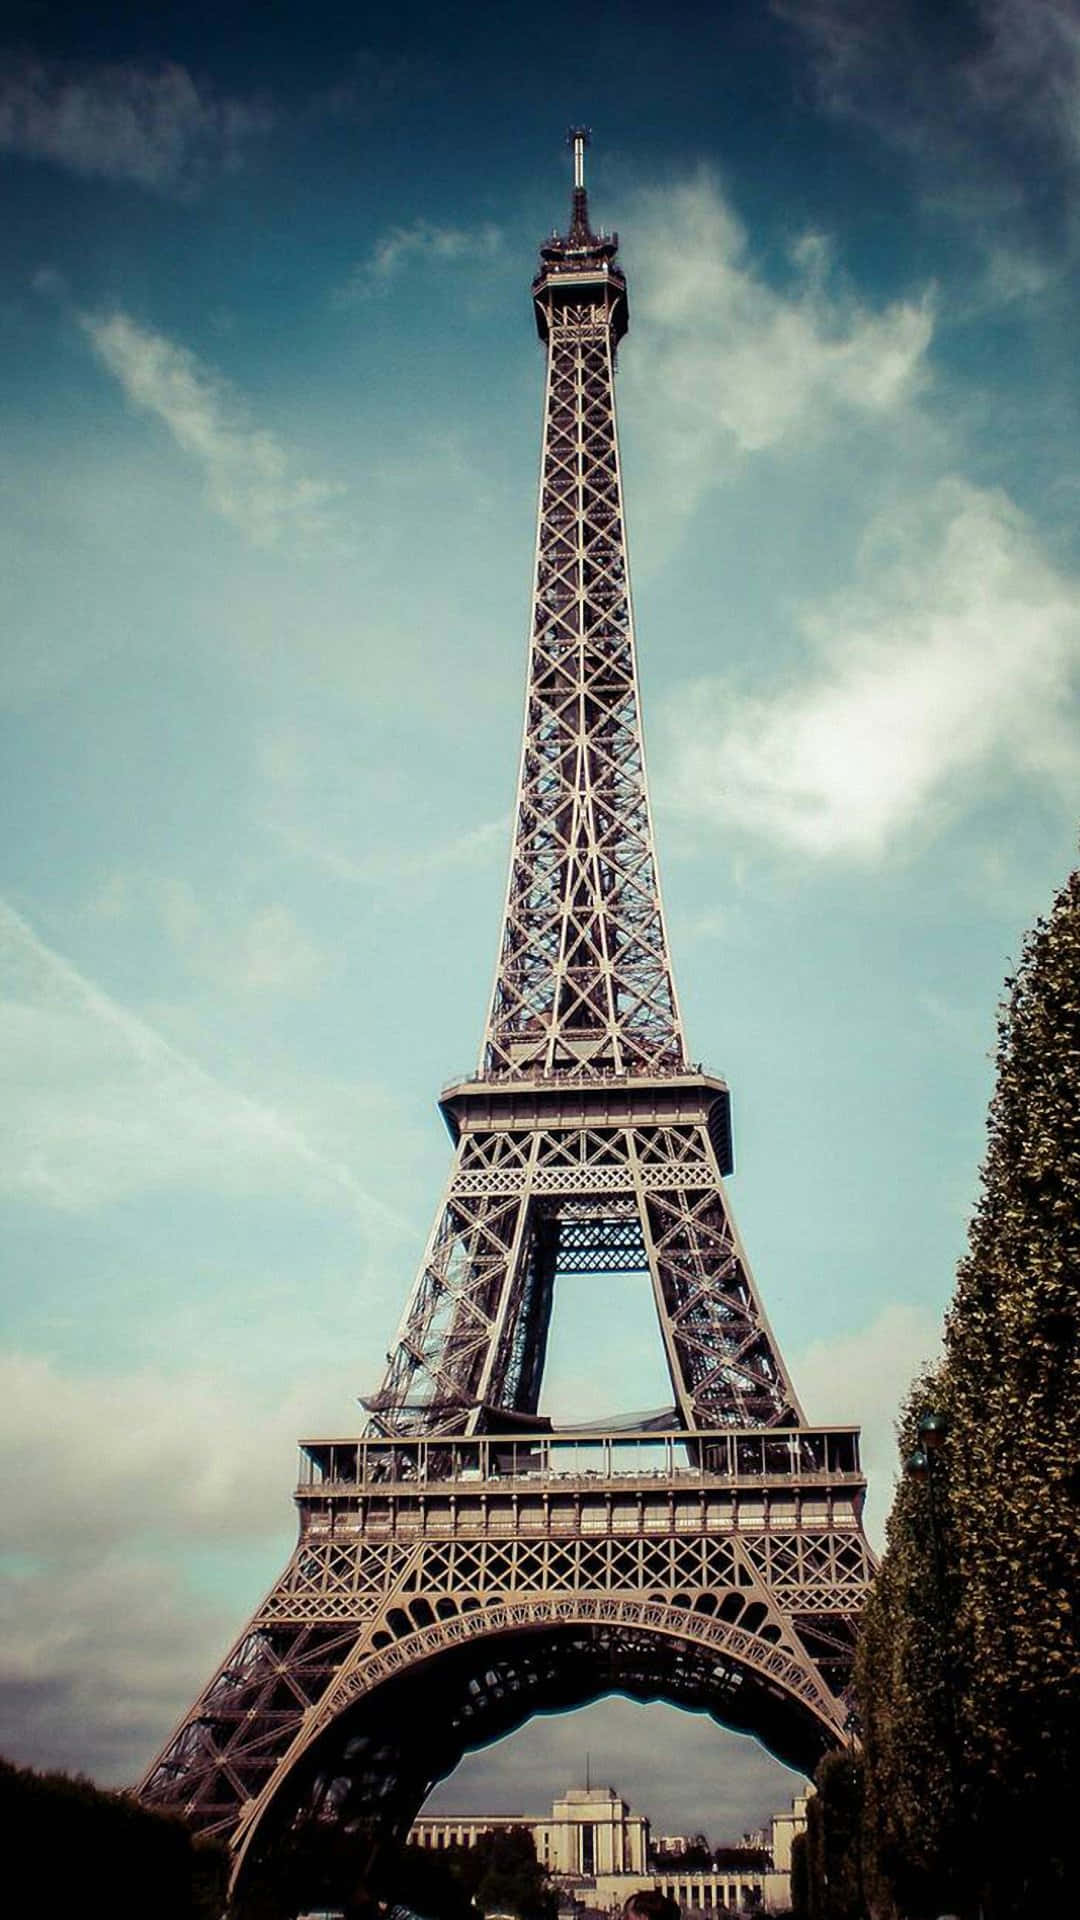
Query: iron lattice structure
point(461, 1566)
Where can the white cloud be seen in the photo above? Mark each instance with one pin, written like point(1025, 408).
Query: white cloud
point(727, 365)
point(861, 1379)
point(475, 846)
point(138, 1431)
point(397, 248)
point(262, 952)
point(122, 1482)
point(98, 1660)
point(265, 951)
point(151, 125)
point(1029, 64)
point(98, 1106)
point(989, 116)
point(248, 472)
point(954, 656)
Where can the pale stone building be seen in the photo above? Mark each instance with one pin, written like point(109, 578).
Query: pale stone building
point(597, 1849)
point(781, 1832)
point(590, 1832)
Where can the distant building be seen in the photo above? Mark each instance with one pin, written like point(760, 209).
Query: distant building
point(596, 1850)
point(781, 1832)
point(590, 1832)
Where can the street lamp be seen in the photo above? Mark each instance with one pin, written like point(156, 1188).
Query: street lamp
point(923, 1465)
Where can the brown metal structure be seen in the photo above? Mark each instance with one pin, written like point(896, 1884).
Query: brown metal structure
point(462, 1567)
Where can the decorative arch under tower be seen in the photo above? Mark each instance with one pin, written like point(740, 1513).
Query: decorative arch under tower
point(461, 1565)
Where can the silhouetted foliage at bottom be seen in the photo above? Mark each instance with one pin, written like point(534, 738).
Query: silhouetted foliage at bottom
point(344, 1866)
point(800, 1877)
point(741, 1859)
point(72, 1847)
point(694, 1859)
point(318, 1865)
point(500, 1874)
point(827, 1865)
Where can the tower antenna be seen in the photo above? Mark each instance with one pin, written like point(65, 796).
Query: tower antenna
point(579, 138)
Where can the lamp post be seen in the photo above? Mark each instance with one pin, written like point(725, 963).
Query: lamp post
point(924, 1465)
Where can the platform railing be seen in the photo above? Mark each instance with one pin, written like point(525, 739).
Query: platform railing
point(737, 1457)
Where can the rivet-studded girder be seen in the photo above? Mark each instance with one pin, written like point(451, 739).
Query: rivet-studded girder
point(584, 981)
point(581, 1180)
point(584, 997)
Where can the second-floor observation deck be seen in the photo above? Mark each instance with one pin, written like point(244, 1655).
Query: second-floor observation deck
point(724, 1458)
point(796, 1491)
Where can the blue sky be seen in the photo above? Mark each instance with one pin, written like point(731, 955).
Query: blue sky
point(271, 395)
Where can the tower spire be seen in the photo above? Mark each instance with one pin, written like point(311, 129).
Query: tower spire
point(581, 234)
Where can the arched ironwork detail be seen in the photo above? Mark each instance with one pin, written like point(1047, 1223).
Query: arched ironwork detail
point(811, 1718)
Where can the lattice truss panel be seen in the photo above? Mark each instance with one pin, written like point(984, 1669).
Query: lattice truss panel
point(350, 1612)
point(528, 1203)
point(584, 978)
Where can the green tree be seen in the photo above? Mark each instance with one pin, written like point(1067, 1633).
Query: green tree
point(827, 1861)
point(71, 1845)
point(1013, 1454)
point(968, 1671)
point(907, 1679)
point(839, 1798)
point(507, 1876)
point(800, 1877)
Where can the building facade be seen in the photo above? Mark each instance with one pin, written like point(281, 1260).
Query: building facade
point(589, 1833)
point(779, 1836)
point(597, 1849)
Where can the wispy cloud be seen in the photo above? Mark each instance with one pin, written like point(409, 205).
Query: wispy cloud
point(263, 951)
point(250, 476)
point(861, 1378)
point(984, 100)
point(152, 125)
point(98, 1106)
point(401, 247)
point(728, 365)
point(102, 1640)
point(956, 654)
point(476, 846)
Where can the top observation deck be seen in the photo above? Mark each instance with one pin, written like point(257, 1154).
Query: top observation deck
point(578, 267)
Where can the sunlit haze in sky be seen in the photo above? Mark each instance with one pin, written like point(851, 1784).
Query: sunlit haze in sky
point(271, 402)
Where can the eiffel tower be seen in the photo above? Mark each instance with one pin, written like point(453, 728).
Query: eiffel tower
point(461, 1565)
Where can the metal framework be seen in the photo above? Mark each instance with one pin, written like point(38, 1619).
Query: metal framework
point(460, 1567)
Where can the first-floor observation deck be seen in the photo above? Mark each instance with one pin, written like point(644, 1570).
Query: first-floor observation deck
point(602, 1482)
